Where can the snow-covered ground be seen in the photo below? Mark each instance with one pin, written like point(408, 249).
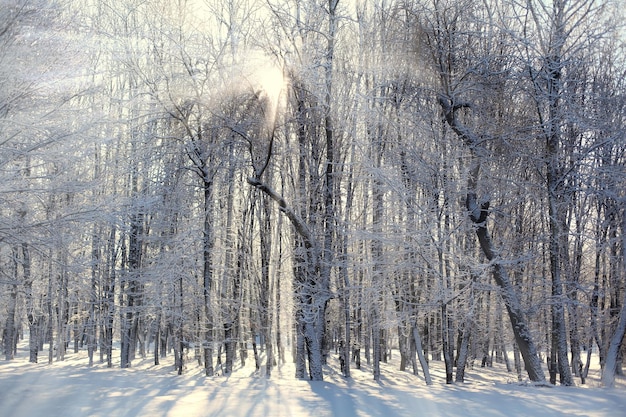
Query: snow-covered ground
point(70, 388)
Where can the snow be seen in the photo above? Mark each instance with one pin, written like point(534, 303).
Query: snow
point(71, 388)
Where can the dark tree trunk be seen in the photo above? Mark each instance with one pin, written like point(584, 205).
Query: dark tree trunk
point(513, 306)
point(478, 213)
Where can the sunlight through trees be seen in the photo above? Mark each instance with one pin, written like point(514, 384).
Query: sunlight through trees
point(320, 181)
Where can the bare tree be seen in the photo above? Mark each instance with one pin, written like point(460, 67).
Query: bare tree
point(453, 63)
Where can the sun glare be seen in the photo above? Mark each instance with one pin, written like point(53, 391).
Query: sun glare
point(271, 82)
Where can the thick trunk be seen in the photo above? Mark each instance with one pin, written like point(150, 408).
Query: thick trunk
point(611, 362)
point(230, 341)
point(269, 353)
point(520, 328)
point(559, 333)
point(132, 291)
point(600, 238)
point(300, 348)
point(555, 185)
point(478, 215)
point(314, 330)
point(463, 352)
point(178, 354)
point(126, 334)
point(402, 347)
point(34, 335)
point(208, 352)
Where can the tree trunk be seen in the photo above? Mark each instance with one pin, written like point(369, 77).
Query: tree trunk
point(513, 306)
point(376, 344)
point(420, 354)
point(413, 353)
point(314, 330)
point(50, 327)
point(478, 215)
point(300, 346)
point(617, 338)
point(34, 317)
point(402, 347)
point(93, 294)
point(344, 282)
point(265, 290)
point(63, 309)
point(559, 334)
point(107, 303)
point(462, 355)
point(207, 273)
point(10, 330)
point(157, 337)
point(445, 323)
point(180, 335)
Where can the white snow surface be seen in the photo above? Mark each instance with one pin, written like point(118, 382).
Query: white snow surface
point(71, 388)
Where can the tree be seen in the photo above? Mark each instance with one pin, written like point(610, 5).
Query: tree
point(36, 97)
point(452, 53)
point(314, 248)
point(559, 60)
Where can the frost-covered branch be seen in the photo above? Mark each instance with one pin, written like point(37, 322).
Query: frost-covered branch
point(294, 218)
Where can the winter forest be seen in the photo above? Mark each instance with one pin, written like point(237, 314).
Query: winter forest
point(225, 182)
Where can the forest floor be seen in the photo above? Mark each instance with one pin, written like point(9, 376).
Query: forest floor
point(70, 388)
